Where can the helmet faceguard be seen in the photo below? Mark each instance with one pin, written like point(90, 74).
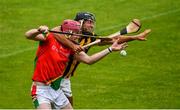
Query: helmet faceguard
point(85, 16)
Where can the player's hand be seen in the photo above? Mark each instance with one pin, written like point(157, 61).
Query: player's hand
point(77, 48)
point(143, 36)
point(116, 47)
point(43, 29)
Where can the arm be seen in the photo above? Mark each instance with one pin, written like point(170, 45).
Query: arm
point(34, 34)
point(57, 28)
point(83, 57)
point(62, 39)
point(133, 26)
point(122, 38)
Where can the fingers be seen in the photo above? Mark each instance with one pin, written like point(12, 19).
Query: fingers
point(124, 45)
point(147, 31)
point(116, 42)
point(117, 47)
point(143, 36)
point(78, 49)
point(43, 29)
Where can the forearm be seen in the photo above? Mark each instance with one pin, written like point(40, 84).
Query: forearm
point(115, 35)
point(57, 28)
point(98, 56)
point(63, 40)
point(82, 57)
point(122, 39)
point(102, 43)
point(32, 33)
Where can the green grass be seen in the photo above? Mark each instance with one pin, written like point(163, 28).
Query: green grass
point(148, 77)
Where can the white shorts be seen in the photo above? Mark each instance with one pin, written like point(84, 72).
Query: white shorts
point(66, 87)
point(46, 94)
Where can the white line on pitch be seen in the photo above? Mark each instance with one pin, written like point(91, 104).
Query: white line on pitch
point(104, 29)
point(142, 19)
point(16, 52)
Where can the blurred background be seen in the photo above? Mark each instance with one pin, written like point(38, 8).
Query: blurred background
point(148, 77)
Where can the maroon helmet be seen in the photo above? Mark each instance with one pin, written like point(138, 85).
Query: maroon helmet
point(70, 25)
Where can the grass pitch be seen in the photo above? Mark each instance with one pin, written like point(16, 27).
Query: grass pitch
point(148, 77)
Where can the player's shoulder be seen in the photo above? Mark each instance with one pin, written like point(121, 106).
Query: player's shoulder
point(57, 28)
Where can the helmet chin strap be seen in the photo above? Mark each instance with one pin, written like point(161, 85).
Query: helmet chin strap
point(81, 23)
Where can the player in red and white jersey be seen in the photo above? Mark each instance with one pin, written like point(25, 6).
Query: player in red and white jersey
point(50, 62)
point(51, 59)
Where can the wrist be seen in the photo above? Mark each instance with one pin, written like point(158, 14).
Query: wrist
point(123, 31)
point(110, 49)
